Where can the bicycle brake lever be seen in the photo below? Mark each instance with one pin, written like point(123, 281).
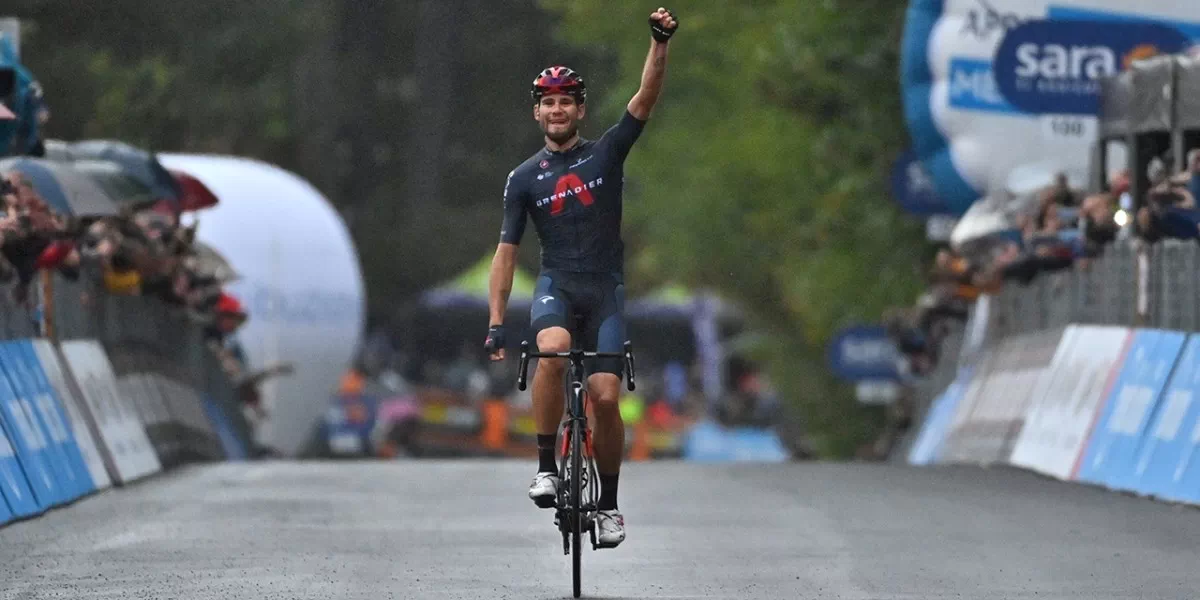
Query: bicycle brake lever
point(629, 384)
point(523, 365)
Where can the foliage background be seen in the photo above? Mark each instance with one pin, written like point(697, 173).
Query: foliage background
point(761, 176)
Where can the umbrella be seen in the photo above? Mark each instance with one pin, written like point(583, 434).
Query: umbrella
point(195, 195)
point(209, 261)
point(64, 189)
point(121, 186)
point(140, 164)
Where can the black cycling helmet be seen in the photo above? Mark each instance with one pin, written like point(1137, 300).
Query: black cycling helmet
point(559, 80)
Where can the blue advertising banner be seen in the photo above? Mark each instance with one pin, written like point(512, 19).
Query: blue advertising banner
point(53, 432)
point(14, 489)
point(1055, 67)
point(5, 514)
point(234, 449)
point(709, 442)
point(913, 188)
point(1171, 441)
point(31, 444)
point(863, 352)
point(54, 414)
point(1111, 454)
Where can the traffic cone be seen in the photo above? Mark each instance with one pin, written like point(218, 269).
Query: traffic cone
point(495, 424)
point(641, 441)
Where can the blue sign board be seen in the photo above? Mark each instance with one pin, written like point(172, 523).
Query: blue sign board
point(864, 352)
point(1055, 67)
point(1167, 464)
point(709, 442)
point(1111, 453)
point(51, 438)
point(54, 415)
point(15, 494)
point(32, 447)
point(234, 448)
point(913, 188)
point(933, 431)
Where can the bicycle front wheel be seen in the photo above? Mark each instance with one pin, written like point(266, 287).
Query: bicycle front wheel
point(575, 513)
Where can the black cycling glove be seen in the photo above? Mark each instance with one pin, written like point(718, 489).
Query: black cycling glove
point(659, 33)
point(495, 339)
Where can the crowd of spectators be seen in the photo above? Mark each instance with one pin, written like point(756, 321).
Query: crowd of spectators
point(1056, 228)
point(144, 249)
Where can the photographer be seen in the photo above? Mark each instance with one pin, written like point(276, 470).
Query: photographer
point(1169, 212)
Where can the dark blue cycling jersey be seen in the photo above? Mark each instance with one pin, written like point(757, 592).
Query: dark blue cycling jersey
point(574, 198)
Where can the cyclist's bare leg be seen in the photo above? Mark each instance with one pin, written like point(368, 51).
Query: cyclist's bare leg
point(548, 397)
point(604, 391)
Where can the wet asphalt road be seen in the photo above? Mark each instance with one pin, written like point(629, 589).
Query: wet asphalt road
point(465, 529)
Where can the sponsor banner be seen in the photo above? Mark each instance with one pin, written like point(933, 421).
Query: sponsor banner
point(709, 442)
point(993, 86)
point(929, 440)
point(31, 443)
point(1127, 411)
point(80, 432)
point(913, 189)
point(1055, 67)
point(5, 514)
point(66, 487)
point(1065, 402)
point(122, 432)
point(864, 352)
point(233, 447)
point(16, 496)
point(1167, 465)
point(992, 414)
point(54, 405)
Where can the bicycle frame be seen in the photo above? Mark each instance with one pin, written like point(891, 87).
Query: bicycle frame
point(573, 511)
point(570, 499)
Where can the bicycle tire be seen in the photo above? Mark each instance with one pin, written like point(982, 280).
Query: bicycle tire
point(577, 442)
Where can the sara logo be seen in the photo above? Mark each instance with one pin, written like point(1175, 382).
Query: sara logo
point(1056, 66)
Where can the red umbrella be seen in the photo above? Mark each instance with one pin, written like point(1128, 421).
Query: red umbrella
point(196, 195)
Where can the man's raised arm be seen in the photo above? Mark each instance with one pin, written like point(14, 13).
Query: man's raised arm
point(662, 26)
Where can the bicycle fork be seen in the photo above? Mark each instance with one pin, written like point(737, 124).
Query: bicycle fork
point(589, 479)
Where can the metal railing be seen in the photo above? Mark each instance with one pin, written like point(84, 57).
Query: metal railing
point(158, 354)
point(1132, 284)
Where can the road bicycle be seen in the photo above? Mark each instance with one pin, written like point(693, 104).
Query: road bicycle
point(573, 513)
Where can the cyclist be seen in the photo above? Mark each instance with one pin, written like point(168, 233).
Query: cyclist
point(571, 189)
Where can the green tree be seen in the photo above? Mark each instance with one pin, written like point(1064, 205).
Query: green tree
point(762, 173)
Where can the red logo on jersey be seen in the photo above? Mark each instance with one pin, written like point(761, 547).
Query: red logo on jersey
point(544, 163)
point(570, 184)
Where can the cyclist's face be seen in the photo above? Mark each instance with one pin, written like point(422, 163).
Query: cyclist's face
point(559, 116)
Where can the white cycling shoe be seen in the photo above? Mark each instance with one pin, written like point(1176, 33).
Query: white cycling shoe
point(610, 528)
point(544, 490)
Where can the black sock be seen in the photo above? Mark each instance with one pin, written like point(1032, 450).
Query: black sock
point(545, 444)
point(608, 492)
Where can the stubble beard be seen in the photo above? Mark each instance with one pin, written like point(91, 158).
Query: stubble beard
point(563, 137)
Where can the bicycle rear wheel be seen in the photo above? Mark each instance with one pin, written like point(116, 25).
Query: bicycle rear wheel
point(575, 511)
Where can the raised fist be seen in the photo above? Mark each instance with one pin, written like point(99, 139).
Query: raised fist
point(663, 24)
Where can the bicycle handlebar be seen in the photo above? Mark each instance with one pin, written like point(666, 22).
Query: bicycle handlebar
point(575, 355)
